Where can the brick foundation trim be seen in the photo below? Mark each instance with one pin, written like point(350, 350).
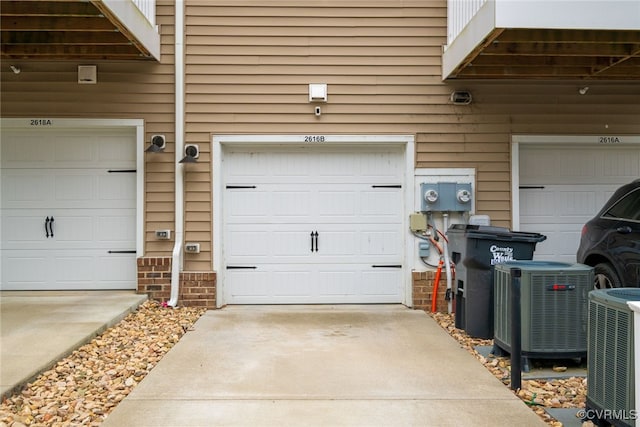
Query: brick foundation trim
point(154, 278)
point(423, 291)
point(197, 289)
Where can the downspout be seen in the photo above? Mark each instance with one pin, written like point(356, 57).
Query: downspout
point(176, 256)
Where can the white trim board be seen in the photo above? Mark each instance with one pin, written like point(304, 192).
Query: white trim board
point(218, 141)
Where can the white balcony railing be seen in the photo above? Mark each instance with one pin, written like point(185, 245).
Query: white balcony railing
point(459, 14)
point(148, 9)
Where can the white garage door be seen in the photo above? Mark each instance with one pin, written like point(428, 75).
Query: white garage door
point(562, 187)
point(313, 225)
point(68, 209)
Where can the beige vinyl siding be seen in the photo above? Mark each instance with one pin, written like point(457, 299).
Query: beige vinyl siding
point(249, 64)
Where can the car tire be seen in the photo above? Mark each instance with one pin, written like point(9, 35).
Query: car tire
point(605, 277)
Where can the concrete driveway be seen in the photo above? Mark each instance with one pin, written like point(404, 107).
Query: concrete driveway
point(320, 366)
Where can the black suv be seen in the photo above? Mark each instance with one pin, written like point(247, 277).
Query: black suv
point(610, 242)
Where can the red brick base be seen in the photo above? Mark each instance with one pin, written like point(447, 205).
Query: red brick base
point(423, 291)
point(197, 289)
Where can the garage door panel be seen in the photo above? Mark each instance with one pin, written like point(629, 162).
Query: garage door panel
point(351, 198)
point(117, 187)
point(291, 246)
point(22, 229)
point(382, 205)
point(381, 243)
point(338, 284)
point(54, 188)
point(579, 164)
point(18, 188)
point(291, 205)
point(574, 183)
point(25, 268)
point(115, 270)
point(382, 283)
point(116, 228)
point(246, 206)
point(85, 180)
point(291, 283)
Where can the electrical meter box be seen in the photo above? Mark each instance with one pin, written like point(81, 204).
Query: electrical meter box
point(445, 197)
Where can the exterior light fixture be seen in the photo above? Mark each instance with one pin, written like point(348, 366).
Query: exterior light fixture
point(191, 153)
point(461, 97)
point(317, 92)
point(158, 144)
point(87, 74)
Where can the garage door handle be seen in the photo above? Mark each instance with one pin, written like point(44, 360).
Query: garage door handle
point(531, 187)
point(314, 241)
point(387, 266)
point(48, 227)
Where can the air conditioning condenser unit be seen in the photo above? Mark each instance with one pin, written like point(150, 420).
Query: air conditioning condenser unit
point(553, 301)
point(610, 367)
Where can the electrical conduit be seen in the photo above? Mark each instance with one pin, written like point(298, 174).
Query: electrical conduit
point(176, 256)
point(447, 262)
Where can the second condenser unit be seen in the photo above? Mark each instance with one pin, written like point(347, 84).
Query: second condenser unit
point(554, 310)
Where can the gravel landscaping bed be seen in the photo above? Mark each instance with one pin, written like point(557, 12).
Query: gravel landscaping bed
point(539, 394)
point(84, 387)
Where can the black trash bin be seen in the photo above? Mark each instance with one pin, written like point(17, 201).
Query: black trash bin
point(475, 249)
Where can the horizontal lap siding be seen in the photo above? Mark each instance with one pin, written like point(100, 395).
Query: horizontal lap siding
point(249, 66)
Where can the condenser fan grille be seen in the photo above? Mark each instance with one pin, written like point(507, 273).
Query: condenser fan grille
point(610, 375)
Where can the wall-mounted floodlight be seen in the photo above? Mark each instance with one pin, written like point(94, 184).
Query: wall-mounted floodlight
point(87, 74)
point(191, 153)
point(158, 144)
point(317, 92)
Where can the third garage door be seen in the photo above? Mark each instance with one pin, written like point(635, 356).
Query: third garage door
point(563, 186)
point(313, 225)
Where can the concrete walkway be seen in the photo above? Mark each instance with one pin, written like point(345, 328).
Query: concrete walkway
point(38, 328)
point(319, 366)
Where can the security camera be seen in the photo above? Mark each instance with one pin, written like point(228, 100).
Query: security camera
point(317, 111)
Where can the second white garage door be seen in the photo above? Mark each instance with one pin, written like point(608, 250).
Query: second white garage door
point(68, 209)
point(563, 186)
point(313, 225)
